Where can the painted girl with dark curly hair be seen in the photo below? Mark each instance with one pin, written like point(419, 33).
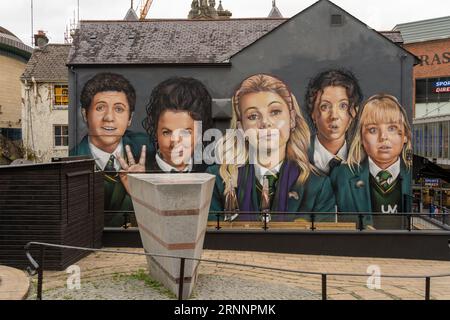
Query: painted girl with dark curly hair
point(333, 98)
point(176, 108)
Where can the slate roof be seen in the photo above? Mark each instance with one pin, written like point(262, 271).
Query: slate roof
point(166, 41)
point(169, 41)
point(9, 33)
point(48, 64)
point(394, 36)
point(11, 43)
point(425, 30)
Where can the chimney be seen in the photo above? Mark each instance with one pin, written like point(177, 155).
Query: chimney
point(40, 39)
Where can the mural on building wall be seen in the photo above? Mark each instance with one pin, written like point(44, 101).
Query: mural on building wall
point(377, 174)
point(108, 102)
point(354, 157)
point(107, 106)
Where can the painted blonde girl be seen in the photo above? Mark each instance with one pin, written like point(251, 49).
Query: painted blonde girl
point(377, 176)
point(267, 117)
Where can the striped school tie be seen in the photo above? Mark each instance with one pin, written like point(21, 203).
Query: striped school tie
point(383, 177)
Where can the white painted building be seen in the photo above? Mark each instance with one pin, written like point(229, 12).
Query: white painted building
point(45, 103)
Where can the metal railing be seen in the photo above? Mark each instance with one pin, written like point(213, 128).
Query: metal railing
point(38, 267)
point(442, 219)
point(315, 217)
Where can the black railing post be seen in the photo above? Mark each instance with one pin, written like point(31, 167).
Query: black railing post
point(40, 273)
point(361, 222)
point(313, 220)
point(218, 221)
point(181, 284)
point(125, 220)
point(427, 288)
point(265, 216)
point(324, 287)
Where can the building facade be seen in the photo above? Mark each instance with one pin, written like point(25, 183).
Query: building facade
point(429, 40)
point(45, 103)
point(221, 53)
point(14, 55)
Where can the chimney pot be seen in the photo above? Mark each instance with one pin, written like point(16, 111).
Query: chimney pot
point(40, 39)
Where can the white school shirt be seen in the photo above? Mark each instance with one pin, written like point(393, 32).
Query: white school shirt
point(101, 157)
point(164, 166)
point(394, 170)
point(322, 156)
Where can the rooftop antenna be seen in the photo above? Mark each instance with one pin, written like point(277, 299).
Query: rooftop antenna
point(73, 25)
point(32, 24)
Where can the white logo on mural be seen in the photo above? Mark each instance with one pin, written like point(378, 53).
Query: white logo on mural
point(390, 209)
point(374, 281)
point(74, 280)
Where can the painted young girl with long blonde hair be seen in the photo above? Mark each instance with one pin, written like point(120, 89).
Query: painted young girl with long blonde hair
point(377, 176)
point(267, 148)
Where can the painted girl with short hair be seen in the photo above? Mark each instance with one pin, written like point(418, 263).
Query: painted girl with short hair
point(175, 105)
point(268, 149)
point(377, 176)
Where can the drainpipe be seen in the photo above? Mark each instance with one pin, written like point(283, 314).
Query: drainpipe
point(74, 103)
point(403, 57)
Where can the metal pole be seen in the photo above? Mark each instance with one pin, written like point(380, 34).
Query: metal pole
point(313, 218)
point(265, 219)
point(218, 221)
point(32, 24)
point(180, 287)
point(427, 288)
point(361, 224)
point(324, 287)
point(40, 273)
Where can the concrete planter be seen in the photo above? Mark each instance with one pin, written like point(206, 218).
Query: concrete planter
point(172, 214)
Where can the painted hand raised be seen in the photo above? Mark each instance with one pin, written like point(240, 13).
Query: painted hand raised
point(131, 166)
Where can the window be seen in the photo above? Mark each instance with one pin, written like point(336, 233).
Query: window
point(428, 140)
point(61, 95)
point(445, 138)
point(433, 90)
point(11, 133)
point(417, 140)
point(421, 141)
point(440, 140)
point(434, 140)
point(337, 20)
point(61, 136)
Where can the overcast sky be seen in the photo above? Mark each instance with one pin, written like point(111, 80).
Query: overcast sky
point(52, 16)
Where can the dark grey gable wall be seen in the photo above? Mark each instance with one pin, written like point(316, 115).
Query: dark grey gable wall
point(307, 44)
point(295, 52)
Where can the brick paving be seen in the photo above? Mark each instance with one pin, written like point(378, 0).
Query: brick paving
point(280, 285)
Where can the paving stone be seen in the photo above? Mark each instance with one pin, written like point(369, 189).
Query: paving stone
point(14, 284)
point(280, 284)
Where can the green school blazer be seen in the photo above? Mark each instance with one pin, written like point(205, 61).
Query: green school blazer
point(116, 197)
point(352, 189)
point(316, 195)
